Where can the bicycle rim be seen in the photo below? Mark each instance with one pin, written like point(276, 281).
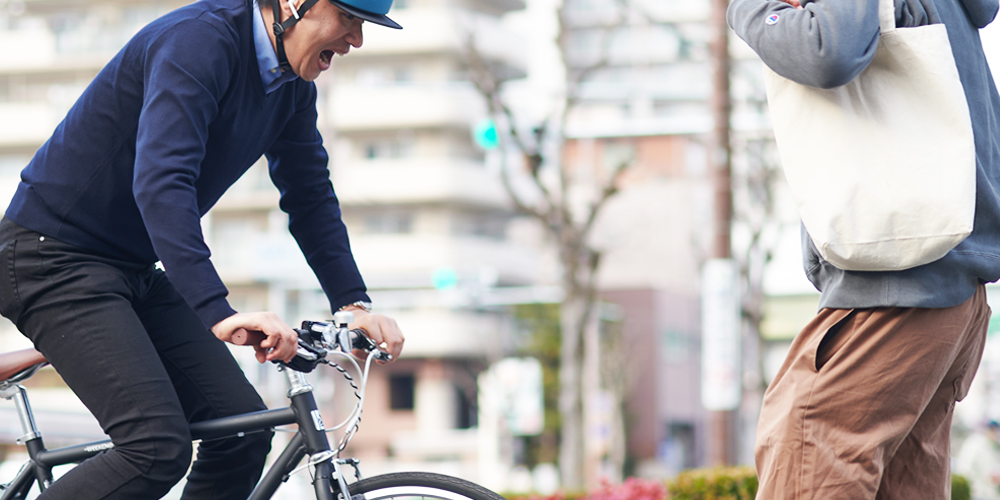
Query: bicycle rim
point(419, 486)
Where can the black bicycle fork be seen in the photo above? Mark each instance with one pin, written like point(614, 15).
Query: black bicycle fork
point(310, 440)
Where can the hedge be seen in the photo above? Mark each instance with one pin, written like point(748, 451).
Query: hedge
point(722, 483)
point(960, 489)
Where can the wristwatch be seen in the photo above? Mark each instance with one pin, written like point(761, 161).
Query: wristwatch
point(367, 306)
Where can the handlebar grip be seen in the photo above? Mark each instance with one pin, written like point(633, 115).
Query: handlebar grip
point(243, 336)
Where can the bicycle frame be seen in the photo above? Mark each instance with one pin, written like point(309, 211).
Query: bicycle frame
point(310, 439)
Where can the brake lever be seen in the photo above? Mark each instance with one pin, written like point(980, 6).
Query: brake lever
point(359, 340)
point(363, 342)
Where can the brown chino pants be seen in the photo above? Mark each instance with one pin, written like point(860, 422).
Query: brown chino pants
point(861, 408)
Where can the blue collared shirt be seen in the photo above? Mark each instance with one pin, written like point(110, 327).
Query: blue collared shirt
point(267, 60)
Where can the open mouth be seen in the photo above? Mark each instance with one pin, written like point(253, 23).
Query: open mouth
point(326, 56)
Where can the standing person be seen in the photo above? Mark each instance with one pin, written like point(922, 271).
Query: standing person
point(862, 406)
point(190, 103)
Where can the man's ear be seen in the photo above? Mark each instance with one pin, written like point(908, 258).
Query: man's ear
point(286, 11)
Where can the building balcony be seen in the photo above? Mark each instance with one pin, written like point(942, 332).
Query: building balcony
point(26, 124)
point(419, 181)
point(396, 182)
point(387, 261)
point(404, 261)
point(353, 108)
point(600, 13)
point(440, 29)
point(498, 6)
point(447, 333)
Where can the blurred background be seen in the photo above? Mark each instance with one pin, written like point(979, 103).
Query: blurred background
point(574, 210)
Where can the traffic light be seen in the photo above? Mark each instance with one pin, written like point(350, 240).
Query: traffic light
point(485, 134)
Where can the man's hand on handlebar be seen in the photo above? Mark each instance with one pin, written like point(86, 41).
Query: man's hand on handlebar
point(280, 344)
point(382, 329)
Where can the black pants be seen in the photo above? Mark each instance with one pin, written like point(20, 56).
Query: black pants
point(142, 362)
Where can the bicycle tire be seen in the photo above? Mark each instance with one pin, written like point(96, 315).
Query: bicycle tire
point(419, 485)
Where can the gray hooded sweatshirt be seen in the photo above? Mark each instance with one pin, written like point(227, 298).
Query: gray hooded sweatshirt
point(826, 44)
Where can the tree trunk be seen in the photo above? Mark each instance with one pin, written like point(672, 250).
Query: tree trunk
point(590, 386)
point(570, 405)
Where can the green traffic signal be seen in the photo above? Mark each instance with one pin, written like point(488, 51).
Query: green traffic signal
point(485, 134)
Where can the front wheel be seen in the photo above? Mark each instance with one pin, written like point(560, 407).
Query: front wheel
point(419, 485)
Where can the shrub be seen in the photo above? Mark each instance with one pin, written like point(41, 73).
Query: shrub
point(559, 495)
point(722, 483)
point(632, 489)
point(960, 489)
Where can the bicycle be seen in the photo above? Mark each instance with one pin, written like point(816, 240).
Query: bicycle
point(317, 340)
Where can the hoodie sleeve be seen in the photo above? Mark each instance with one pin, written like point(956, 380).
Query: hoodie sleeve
point(981, 12)
point(824, 44)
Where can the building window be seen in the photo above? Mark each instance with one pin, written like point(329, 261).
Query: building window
point(389, 223)
point(468, 410)
point(388, 149)
point(384, 74)
point(617, 154)
point(401, 391)
point(679, 448)
point(478, 225)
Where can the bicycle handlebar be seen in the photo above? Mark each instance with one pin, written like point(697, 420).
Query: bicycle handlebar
point(355, 339)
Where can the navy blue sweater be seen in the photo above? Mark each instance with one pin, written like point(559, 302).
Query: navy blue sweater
point(156, 139)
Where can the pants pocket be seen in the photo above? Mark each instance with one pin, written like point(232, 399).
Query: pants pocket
point(10, 301)
point(834, 338)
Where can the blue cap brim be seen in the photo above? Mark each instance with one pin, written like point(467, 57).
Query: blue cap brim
point(371, 17)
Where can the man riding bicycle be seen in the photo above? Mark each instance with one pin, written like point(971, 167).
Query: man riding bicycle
point(176, 117)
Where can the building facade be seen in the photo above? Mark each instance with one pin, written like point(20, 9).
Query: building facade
point(428, 220)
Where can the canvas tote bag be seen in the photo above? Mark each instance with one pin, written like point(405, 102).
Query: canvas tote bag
point(882, 169)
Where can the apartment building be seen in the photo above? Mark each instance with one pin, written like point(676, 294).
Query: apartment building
point(428, 220)
point(644, 102)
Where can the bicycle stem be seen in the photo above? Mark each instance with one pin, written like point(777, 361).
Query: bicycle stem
point(297, 383)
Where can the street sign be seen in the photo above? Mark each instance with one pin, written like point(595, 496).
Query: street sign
point(519, 381)
point(721, 380)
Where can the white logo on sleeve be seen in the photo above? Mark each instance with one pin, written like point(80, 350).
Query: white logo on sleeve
point(772, 19)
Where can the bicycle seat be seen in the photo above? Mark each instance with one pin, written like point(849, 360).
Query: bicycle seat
point(15, 362)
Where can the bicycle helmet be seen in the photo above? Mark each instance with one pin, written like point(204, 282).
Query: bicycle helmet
point(370, 10)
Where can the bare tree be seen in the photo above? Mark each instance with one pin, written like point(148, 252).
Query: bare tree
point(618, 378)
point(536, 147)
point(568, 223)
point(758, 230)
point(755, 189)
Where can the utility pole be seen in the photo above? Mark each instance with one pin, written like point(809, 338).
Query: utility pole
point(721, 422)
